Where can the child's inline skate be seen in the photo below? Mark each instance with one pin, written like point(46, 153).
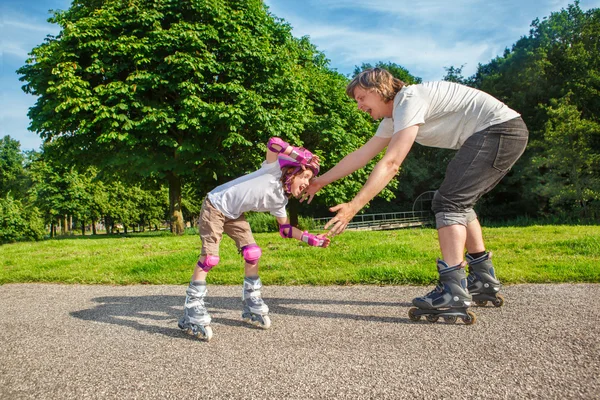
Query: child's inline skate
point(482, 282)
point(449, 300)
point(196, 320)
point(255, 310)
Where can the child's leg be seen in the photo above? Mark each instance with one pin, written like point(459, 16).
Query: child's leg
point(255, 311)
point(196, 319)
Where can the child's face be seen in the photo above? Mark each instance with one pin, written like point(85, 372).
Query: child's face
point(370, 102)
point(300, 182)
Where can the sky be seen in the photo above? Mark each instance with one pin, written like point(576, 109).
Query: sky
point(423, 36)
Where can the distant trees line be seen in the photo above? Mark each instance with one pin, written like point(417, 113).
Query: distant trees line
point(145, 106)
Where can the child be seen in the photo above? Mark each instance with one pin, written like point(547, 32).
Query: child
point(286, 172)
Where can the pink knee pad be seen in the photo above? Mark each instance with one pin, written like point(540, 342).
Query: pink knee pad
point(209, 262)
point(251, 253)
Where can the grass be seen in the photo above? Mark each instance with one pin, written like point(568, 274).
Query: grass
point(534, 254)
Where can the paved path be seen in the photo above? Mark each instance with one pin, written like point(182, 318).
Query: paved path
point(355, 342)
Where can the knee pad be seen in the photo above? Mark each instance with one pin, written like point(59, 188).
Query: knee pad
point(209, 262)
point(251, 253)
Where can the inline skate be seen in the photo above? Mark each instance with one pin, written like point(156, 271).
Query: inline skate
point(196, 319)
point(449, 300)
point(255, 310)
point(482, 282)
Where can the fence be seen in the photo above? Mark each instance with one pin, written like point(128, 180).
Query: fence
point(383, 221)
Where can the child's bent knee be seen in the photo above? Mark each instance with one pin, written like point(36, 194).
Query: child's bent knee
point(208, 263)
point(251, 253)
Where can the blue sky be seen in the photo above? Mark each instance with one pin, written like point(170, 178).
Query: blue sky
point(423, 36)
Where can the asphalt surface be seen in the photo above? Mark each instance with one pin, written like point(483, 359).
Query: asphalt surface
point(351, 342)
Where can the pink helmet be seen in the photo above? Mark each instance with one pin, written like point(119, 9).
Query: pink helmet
point(309, 161)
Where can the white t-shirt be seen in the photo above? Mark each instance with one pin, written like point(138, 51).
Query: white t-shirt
point(260, 190)
point(447, 113)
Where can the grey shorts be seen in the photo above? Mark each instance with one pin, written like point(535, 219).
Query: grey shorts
point(482, 161)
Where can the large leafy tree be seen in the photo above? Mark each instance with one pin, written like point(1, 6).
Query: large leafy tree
point(169, 91)
point(552, 73)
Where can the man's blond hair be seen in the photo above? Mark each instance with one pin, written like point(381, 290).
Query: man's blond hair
point(377, 79)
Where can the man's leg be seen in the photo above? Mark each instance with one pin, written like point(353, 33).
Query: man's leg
point(474, 238)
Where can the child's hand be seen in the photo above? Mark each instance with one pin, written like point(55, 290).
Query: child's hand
point(315, 240)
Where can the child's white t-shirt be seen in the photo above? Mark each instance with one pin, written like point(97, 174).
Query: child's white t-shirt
point(260, 190)
point(447, 113)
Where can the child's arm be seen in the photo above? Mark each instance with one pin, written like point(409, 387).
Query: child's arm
point(287, 232)
point(277, 146)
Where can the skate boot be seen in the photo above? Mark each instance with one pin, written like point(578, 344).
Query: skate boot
point(482, 282)
point(196, 320)
point(449, 300)
point(255, 310)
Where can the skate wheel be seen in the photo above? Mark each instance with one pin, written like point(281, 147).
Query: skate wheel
point(262, 322)
point(451, 319)
point(208, 334)
point(432, 318)
point(481, 303)
point(267, 322)
point(412, 316)
point(499, 301)
point(470, 318)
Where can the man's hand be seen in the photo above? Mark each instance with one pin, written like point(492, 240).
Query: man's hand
point(314, 186)
point(338, 224)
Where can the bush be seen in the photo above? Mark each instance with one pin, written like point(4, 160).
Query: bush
point(19, 222)
point(262, 222)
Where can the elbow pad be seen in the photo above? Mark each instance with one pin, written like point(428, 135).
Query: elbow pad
point(285, 231)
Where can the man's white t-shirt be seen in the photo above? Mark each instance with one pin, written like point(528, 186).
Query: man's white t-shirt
point(260, 190)
point(447, 113)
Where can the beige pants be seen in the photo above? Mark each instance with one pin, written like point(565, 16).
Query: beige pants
point(212, 223)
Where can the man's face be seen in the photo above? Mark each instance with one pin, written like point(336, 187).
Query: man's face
point(370, 102)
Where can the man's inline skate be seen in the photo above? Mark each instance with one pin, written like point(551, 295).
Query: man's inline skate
point(255, 310)
point(196, 319)
point(482, 282)
point(449, 300)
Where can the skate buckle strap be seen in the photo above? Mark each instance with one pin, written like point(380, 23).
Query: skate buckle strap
point(478, 260)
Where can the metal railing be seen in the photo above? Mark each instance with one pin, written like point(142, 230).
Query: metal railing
point(385, 221)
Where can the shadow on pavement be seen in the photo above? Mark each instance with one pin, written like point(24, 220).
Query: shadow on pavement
point(138, 312)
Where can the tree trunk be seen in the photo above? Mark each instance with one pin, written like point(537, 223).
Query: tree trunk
point(94, 227)
point(293, 209)
point(177, 225)
point(52, 229)
point(82, 228)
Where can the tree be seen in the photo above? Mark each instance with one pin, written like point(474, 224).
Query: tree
point(559, 58)
point(168, 91)
point(11, 166)
point(19, 221)
point(573, 185)
point(397, 70)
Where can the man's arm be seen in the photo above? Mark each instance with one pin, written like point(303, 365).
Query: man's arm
point(352, 162)
point(382, 174)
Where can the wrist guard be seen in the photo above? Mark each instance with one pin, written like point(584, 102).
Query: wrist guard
point(313, 240)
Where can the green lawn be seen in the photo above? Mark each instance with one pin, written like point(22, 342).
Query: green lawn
point(535, 254)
